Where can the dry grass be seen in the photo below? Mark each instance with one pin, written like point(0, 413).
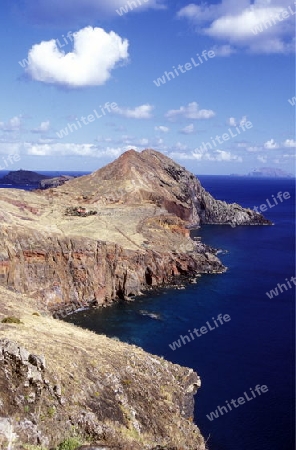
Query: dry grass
point(133, 395)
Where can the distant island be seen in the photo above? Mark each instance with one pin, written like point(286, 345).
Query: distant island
point(29, 177)
point(266, 172)
point(22, 177)
point(270, 172)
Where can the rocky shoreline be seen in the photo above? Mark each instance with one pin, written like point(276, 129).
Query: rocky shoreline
point(51, 262)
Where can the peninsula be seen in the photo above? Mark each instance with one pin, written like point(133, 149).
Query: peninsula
point(94, 240)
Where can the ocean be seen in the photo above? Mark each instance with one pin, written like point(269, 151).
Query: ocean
point(255, 347)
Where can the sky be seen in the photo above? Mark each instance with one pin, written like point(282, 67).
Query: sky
point(210, 84)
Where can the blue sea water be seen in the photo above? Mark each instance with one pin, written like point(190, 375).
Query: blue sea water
point(255, 347)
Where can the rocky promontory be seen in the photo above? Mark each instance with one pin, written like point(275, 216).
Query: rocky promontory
point(54, 182)
point(97, 239)
point(23, 177)
point(131, 233)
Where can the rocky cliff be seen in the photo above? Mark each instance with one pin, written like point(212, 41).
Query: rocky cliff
point(133, 233)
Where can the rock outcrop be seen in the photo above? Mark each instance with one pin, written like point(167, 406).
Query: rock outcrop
point(54, 182)
point(60, 382)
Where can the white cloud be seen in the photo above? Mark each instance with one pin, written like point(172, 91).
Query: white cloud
point(191, 111)
point(43, 127)
point(188, 130)
point(271, 145)
point(139, 112)
point(95, 54)
point(233, 122)
point(216, 155)
point(181, 155)
point(243, 121)
point(290, 156)
point(67, 11)
point(290, 143)
point(261, 26)
point(162, 129)
point(222, 155)
point(13, 124)
point(180, 147)
point(262, 158)
point(224, 50)
point(254, 148)
point(73, 149)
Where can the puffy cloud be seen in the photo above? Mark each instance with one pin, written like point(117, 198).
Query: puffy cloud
point(216, 155)
point(222, 155)
point(95, 54)
point(162, 129)
point(233, 122)
point(73, 149)
point(139, 112)
point(290, 143)
point(68, 11)
point(191, 111)
point(261, 26)
point(13, 124)
point(43, 127)
point(271, 145)
point(188, 130)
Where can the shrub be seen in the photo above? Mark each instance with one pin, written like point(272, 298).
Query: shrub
point(11, 320)
point(70, 444)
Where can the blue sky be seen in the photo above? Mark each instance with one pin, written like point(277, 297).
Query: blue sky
point(230, 109)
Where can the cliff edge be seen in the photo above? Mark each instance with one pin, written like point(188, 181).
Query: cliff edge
point(111, 234)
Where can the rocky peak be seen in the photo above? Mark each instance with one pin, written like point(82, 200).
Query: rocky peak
point(153, 178)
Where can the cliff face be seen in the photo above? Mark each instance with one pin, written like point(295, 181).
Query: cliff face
point(63, 272)
point(59, 382)
point(136, 237)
